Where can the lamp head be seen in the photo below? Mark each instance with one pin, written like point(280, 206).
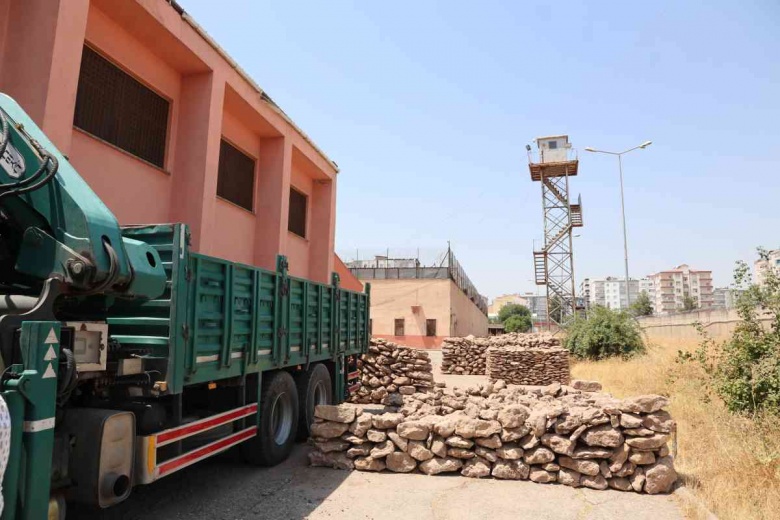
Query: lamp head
point(589, 149)
point(645, 144)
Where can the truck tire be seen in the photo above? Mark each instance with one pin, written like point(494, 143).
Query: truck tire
point(278, 422)
point(314, 387)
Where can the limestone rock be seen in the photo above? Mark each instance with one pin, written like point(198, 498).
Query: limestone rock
point(376, 435)
point(584, 466)
point(476, 468)
point(510, 470)
point(604, 435)
point(328, 430)
point(542, 476)
point(369, 464)
point(400, 462)
point(342, 413)
point(644, 403)
point(438, 465)
point(418, 450)
point(386, 420)
point(538, 455)
point(660, 477)
point(383, 449)
point(569, 477)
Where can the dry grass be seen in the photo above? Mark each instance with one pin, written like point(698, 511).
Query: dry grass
point(730, 463)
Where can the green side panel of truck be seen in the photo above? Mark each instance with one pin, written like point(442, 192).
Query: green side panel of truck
point(219, 319)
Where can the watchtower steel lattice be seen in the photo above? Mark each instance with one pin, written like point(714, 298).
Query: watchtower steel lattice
point(554, 263)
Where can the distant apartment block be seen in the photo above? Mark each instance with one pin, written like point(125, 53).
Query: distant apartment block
point(611, 292)
point(760, 266)
point(725, 297)
point(673, 286)
point(499, 302)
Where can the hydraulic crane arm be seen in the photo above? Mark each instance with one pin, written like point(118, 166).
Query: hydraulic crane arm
point(53, 226)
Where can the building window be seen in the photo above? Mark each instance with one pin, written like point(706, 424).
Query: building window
point(430, 327)
point(553, 145)
point(296, 221)
point(117, 108)
point(399, 327)
point(236, 176)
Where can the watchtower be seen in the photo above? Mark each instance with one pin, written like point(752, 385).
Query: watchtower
point(555, 162)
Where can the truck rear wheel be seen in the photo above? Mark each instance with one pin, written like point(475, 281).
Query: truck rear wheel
point(278, 422)
point(314, 387)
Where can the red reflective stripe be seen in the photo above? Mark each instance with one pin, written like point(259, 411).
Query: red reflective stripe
point(205, 451)
point(353, 375)
point(180, 432)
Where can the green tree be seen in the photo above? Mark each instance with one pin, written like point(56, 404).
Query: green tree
point(642, 306)
point(689, 303)
point(604, 333)
point(512, 309)
point(518, 323)
point(745, 369)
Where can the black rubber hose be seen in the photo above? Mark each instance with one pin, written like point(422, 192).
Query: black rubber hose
point(52, 166)
point(4, 137)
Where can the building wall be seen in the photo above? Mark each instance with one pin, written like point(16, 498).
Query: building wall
point(391, 299)
point(209, 100)
point(418, 300)
point(466, 318)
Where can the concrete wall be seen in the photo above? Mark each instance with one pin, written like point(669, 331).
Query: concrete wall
point(679, 330)
point(419, 300)
point(466, 317)
point(209, 101)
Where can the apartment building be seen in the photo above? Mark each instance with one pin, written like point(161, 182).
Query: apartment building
point(761, 266)
point(671, 287)
point(611, 292)
point(499, 302)
point(725, 297)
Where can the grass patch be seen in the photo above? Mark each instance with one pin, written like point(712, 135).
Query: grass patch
point(730, 462)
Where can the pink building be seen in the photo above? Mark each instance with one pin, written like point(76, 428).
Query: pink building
point(673, 286)
point(165, 127)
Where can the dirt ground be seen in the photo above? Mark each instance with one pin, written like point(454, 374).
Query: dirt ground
point(225, 488)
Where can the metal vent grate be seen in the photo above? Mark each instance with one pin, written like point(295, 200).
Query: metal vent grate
point(114, 106)
point(236, 177)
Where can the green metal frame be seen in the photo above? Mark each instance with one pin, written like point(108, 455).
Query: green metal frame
point(219, 319)
point(31, 395)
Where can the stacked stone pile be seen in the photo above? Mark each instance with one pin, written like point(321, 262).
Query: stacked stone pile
point(389, 371)
point(464, 356)
point(543, 434)
point(528, 366)
point(468, 356)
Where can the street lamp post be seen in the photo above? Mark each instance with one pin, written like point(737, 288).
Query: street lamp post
point(623, 206)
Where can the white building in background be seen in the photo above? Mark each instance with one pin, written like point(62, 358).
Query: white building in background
point(725, 297)
point(673, 286)
point(610, 292)
point(760, 266)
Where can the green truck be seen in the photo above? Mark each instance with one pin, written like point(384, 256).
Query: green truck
point(127, 357)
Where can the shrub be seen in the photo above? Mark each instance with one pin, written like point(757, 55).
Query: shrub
point(604, 333)
point(745, 369)
point(517, 323)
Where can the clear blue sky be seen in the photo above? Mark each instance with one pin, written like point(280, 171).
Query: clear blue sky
point(427, 107)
